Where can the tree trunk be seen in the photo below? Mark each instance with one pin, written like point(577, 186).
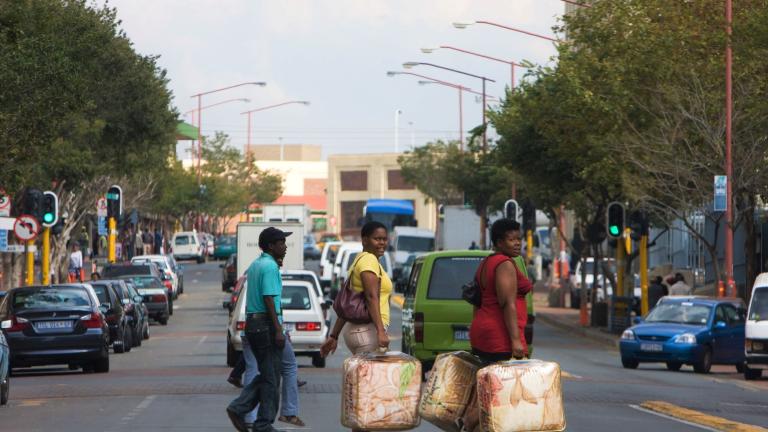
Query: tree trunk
point(483, 227)
point(593, 299)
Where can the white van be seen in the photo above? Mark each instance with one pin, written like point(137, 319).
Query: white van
point(408, 240)
point(186, 246)
point(327, 259)
point(756, 330)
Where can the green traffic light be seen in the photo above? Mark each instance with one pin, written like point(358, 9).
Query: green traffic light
point(48, 217)
point(614, 230)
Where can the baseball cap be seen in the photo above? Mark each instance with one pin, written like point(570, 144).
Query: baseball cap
point(272, 234)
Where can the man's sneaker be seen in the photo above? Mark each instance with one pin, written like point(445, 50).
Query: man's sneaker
point(300, 383)
point(237, 421)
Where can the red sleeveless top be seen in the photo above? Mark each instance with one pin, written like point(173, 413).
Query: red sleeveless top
point(488, 332)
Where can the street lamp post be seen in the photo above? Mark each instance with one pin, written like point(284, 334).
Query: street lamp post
point(731, 285)
point(463, 25)
point(199, 97)
point(409, 65)
point(248, 113)
point(511, 63)
point(397, 129)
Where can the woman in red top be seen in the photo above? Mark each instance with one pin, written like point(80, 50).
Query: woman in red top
point(497, 331)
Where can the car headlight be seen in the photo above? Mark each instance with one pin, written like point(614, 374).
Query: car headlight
point(628, 335)
point(685, 338)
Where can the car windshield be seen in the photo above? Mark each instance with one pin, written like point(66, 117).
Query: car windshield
point(680, 313)
point(758, 310)
point(302, 277)
point(158, 262)
point(225, 241)
point(415, 244)
point(50, 298)
point(295, 297)
point(116, 271)
point(146, 282)
point(332, 251)
point(449, 275)
point(181, 241)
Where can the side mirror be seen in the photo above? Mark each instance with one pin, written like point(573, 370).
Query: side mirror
point(637, 320)
point(138, 299)
point(720, 325)
point(226, 304)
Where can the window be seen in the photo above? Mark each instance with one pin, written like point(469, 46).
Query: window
point(758, 310)
point(415, 244)
point(181, 240)
point(681, 313)
point(449, 275)
point(47, 298)
point(395, 181)
point(351, 214)
point(295, 298)
point(101, 293)
point(410, 290)
point(354, 180)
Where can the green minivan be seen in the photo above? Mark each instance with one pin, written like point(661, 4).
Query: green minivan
point(435, 318)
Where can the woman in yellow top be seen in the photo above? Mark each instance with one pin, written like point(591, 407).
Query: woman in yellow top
point(368, 277)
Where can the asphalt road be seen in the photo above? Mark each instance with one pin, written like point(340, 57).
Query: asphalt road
point(176, 382)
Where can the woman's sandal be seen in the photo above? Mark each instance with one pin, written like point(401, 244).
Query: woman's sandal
point(294, 420)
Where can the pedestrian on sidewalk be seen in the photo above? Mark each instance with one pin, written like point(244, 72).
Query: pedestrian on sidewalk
point(148, 240)
point(76, 263)
point(264, 331)
point(158, 243)
point(656, 291)
point(679, 287)
point(138, 243)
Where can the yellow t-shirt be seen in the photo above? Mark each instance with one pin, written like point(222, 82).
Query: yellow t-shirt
point(367, 261)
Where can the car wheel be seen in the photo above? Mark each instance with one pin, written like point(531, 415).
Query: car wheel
point(5, 390)
point(170, 306)
point(740, 367)
point(128, 341)
point(231, 354)
point(163, 321)
point(146, 331)
point(674, 366)
point(119, 344)
point(101, 365)
point(752, 374)
point(629, 363)
point(705, 364)
point(318, 361)
point(136, 337)
point(200, 260)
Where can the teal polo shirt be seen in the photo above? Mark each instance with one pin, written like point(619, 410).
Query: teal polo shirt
point(264, 279)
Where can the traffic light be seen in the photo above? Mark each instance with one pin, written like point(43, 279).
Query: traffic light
point(50, 209)
point(512, 210)
point(615, 219)
point(638, 223)
point(32, 203)
point(529, 217)
point(114, 202)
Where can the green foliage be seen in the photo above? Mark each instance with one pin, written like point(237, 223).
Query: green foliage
point(424, 167)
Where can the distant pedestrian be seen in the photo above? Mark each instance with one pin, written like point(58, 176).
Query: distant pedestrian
point(158, 244)
point(679, 287)
point(76, 263)
point(138, 243)
point(656, 291)
point(264, 331)
point(473, 246)
point(95, 276)
point(148, 240)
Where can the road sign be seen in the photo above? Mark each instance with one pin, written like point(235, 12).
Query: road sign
point(103, 225)
point(26, 228)
point(101, 207)
point(17, 248)
point(3, 240)
point(5, 204)
point(721, 193)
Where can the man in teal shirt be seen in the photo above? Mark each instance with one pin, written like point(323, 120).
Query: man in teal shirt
point(264, 331)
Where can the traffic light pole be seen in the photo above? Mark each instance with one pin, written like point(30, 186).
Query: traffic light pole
point(46, 257)
point(529, 244)
point(111, 254)
point(619, 291)
point(644, 274)
point(30, 263)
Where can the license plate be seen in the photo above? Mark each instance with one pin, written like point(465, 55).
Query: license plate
point(53, 324)
point(462, 335)
point(652, 347)
point(289, 327)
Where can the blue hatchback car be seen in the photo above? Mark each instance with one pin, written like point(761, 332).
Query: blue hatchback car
point(694, 331)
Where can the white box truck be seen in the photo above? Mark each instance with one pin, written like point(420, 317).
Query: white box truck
point(248, 244)
point(300, 213)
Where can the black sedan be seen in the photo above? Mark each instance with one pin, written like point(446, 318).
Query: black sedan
point(229, 273)
point(155, 296)
point(138, 311)
point(59, 324)
point(120, 332)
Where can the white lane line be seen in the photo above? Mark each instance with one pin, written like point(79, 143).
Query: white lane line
point(658, 414)
point(195, 281)
point(202, 341)
point(139, 408)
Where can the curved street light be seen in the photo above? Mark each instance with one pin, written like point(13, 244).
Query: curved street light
point(249, 112)
point(463, 25)
point(511, 63)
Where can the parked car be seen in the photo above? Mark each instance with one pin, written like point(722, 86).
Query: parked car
point(57, 324)
point(163, 264)
point(341, 256)
point(311, 277)
point(349, 259)
point(117, 271)
point(326, 238)
point(120, 334)
point(311, 251)
point(178, 269)
point(229, 273)
point(327, 259)
point(5, 370)
point(155, 296)
point(756, 333)
point(435, 318)
point(186, 246)
point(403, 275)
point(302, 317)
point(226, 245)
point(234, 295)
point(139, 312)
point(692, 331)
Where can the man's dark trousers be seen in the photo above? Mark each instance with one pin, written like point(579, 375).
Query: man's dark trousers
point(264, 390)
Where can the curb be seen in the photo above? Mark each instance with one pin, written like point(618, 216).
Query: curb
point(587, 333)
point(699, 418)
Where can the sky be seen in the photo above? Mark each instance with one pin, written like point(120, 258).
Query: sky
point(335, 54)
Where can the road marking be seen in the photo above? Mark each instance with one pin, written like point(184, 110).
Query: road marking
point(31, 403)
point(195, 281)
point(699, 418)
point(202, 341)
point(144, 404)
point(568, 375)
point(753, 387)
point(657, 414)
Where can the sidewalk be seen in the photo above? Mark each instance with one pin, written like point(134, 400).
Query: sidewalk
point(568, 319)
